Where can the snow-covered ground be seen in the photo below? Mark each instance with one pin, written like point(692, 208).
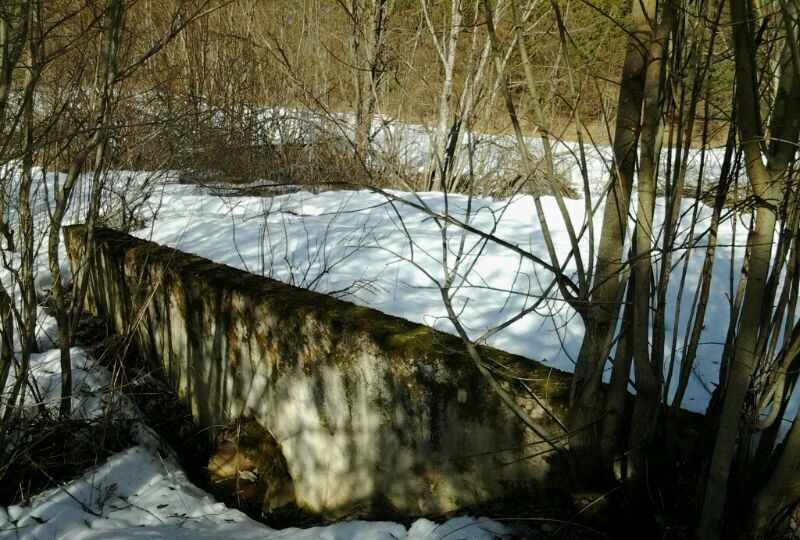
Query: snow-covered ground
point(140, 494)
point(375, 250)
point(487, 154)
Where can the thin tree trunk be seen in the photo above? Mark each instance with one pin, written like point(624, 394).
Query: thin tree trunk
point(648, 369)
point(690, 352)
point(447, 55)
point(367, 57)
point(782, 487)
point(766, 189)
point(11, 47)
point(111, 32)
point(766, 183)
point(27, 331)
point(600, 319)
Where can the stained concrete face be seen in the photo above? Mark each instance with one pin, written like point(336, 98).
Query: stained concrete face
point(373, 414)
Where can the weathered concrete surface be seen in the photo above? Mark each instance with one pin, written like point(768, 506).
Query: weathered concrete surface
point(372, 413)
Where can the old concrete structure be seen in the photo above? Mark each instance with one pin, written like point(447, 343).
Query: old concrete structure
point(372, 413)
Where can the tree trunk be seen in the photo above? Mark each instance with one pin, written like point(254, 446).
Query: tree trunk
point(648, 368)
point(447, 54)
point(766, 184)
point(586, 400)
point(367, 58)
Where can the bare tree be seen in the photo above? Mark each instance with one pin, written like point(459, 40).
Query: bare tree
point(769, 182)
point(368, 20)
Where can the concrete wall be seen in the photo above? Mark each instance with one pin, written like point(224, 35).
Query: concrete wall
point(372, 413)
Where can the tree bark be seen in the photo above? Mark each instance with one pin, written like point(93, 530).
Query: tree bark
point(600, 319)
point(766, 188)
point(447, 50)
point(648, 368)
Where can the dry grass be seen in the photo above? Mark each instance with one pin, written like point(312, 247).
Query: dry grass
point(47, 452)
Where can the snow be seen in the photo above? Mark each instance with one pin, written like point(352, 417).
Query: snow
point(142, 492)
point(139, 494)
point(378, 252)
point(383, 250)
